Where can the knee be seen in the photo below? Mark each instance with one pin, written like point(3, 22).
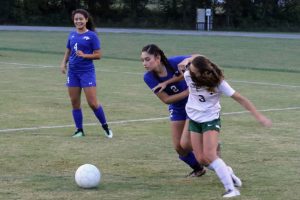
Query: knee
point(209, 156)
point(93, 106)
point(186, 145)
point(75, 103)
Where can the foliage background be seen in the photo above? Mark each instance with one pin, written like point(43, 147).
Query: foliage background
point(252, 15)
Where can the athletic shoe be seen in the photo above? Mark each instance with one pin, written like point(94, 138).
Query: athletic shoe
point(108, 133)
point(78, 133)
point(197, 172)
point(231, 193)
point(236, 180)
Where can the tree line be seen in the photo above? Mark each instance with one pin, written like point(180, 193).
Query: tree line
point(170, 14)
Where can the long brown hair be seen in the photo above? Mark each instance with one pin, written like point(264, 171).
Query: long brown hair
point(90, 23)
point(208, 74)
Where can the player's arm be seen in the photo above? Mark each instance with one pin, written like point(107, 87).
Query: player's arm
point(168, 99)
point(63, 65)
point(161, 86)
point(96, 55)
point(248, 105)
point(179, 77)
point(186, 62)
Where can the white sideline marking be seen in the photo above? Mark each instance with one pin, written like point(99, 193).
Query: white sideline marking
point(134, 120)
point(29, 65)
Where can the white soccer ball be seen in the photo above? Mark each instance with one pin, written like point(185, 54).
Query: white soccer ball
point(87, 176)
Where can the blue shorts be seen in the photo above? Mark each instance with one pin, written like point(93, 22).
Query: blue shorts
point(81, 79)
point(178, 114)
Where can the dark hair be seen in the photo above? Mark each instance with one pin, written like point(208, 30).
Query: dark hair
point(209, 74)
point(90, 23)
point(153, 49)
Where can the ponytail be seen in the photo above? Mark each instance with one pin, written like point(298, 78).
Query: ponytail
point(153, 49)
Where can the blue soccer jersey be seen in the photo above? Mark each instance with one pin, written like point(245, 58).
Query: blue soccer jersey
point(87, 42)
point(174, 88)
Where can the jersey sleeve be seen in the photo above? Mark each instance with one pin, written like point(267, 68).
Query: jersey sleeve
point(96, 44)
point(226, 89)
point(68, 45)
point(150, 80)
point(175, 60)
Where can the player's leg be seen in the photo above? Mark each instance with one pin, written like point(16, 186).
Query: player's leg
point(176, 133)
point(210, 143)
point(91, 97)
point(236, 180)
point(75, 97)
point(185, 154)
point(219, 147)
point(185, 143)
point(88, 83)
point(204, 139)
point(74, 89)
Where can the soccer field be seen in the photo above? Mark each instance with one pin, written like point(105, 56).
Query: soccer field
point(39, 157)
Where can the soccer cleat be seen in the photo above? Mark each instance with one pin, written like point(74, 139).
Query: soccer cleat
point(78, 133)
point(197, 173)
point(236, 180)
point(231, 193)
point(108, 133)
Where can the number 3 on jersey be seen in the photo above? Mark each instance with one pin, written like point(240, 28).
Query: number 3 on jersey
point(201, 98)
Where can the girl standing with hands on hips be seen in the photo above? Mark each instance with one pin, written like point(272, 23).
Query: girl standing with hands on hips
point(206, 84)
point(162, 77)
point(83, 46)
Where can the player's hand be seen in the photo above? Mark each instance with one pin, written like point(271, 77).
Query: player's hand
point(264, 121)
point(183, 66)
point(80, 53)
point(159, 88)
point(63, 68)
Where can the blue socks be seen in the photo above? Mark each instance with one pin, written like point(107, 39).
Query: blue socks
point(100, 115)
point(191, 161)
point(77, 116)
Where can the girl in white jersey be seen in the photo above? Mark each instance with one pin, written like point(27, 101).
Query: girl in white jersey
point(206, 85)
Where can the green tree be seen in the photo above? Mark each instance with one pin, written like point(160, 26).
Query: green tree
point(7, 11)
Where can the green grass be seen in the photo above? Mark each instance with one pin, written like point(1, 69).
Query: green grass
point(139, 162)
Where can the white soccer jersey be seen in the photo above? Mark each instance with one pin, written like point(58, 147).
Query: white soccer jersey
point(202, 105)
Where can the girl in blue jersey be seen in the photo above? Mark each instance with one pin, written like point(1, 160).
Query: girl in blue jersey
point(83, 46)
point(161, 79)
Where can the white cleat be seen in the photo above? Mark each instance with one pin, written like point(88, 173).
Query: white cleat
point(231, 193)
point(236, 180)
point(108, 134)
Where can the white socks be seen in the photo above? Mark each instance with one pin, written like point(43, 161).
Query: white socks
point(222, 172)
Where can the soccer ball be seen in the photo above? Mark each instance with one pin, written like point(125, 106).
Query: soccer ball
point(87, 176)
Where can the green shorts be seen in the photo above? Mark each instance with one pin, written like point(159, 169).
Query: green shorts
point(205, 126)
